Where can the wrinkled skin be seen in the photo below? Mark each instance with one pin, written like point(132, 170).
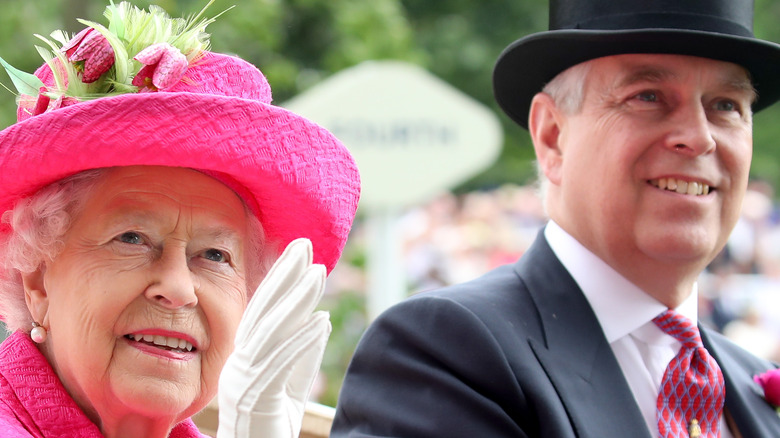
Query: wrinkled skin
point(645, 118)
point(155, 250)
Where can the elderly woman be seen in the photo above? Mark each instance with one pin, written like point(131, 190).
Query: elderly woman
point(148, 187)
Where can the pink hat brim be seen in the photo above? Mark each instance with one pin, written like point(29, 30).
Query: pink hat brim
point(302, 180)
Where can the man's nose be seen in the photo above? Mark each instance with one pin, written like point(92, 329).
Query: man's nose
point(690, 131)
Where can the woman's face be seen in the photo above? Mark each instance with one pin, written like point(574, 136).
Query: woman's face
point(143, 302)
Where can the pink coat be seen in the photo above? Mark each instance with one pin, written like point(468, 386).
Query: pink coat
point(33, 402)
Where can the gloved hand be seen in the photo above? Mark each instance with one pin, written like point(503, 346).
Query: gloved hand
point(278, 350)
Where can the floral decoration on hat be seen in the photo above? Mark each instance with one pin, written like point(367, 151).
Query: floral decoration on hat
point(139, 51)
point(770, 383)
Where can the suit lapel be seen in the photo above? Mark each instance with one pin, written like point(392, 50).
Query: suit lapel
point(753, 416)
point(574, 353)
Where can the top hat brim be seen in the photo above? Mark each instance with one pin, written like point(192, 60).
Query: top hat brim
point(528, 64)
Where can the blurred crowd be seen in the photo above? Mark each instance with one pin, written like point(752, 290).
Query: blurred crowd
point(455, 238)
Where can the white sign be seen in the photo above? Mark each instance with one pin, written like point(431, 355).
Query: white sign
point(412, 134)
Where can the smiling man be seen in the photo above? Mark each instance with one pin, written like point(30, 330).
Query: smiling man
point(641, 119)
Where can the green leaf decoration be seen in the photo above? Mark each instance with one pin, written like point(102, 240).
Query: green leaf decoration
point(116, 19)
point(60, 36)
point(47, 56)
point(129, 30)
point(25, 83)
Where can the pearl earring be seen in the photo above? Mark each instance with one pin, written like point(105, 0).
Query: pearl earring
point(38, 333)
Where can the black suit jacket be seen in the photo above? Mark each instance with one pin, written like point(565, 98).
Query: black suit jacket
point(515, 353)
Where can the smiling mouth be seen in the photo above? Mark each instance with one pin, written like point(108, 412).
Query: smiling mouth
point(165, 342)
point(682, 187)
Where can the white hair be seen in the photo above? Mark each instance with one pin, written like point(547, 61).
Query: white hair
point(38, 225)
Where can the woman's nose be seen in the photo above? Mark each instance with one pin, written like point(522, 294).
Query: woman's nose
point(172, 283)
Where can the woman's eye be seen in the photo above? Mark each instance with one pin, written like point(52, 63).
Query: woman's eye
point(215, 255)
point(131, 237)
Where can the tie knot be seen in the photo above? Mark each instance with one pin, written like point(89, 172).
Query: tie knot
point(679, 327)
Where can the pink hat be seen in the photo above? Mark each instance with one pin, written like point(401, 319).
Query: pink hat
point(165, 100)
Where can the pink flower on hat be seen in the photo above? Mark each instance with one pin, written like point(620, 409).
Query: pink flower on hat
point(770, 383)
point(44, 103)
point(91, 47)
point(164, 66)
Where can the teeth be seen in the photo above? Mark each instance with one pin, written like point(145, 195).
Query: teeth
point(164, 341)
point(694, 188)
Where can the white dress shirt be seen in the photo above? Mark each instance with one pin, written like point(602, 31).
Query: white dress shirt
point(626, 315)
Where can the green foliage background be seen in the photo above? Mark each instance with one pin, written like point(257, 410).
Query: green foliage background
point(298, 43)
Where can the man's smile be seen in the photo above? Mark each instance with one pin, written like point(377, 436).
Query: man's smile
point(695, 188)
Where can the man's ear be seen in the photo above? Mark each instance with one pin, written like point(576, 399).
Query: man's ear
point(544, 125)
point(36, 296)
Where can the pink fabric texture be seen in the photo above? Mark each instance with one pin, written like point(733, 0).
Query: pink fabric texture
point(295, 175)
point(33, 402)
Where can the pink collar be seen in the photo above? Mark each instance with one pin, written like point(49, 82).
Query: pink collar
point(38, 402)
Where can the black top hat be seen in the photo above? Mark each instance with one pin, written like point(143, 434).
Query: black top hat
point(581, 30)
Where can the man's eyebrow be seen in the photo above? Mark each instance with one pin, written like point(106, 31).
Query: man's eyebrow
point(742, 84)
point(644, 73)
point(654, 74)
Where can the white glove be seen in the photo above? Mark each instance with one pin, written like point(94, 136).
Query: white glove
point(278, 350)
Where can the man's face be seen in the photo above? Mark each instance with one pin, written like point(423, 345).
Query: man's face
point(651, 172)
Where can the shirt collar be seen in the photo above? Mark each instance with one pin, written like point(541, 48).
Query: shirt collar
point(620, 306)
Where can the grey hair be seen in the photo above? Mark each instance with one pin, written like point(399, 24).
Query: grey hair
point(567, 89)
point(38, 225)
